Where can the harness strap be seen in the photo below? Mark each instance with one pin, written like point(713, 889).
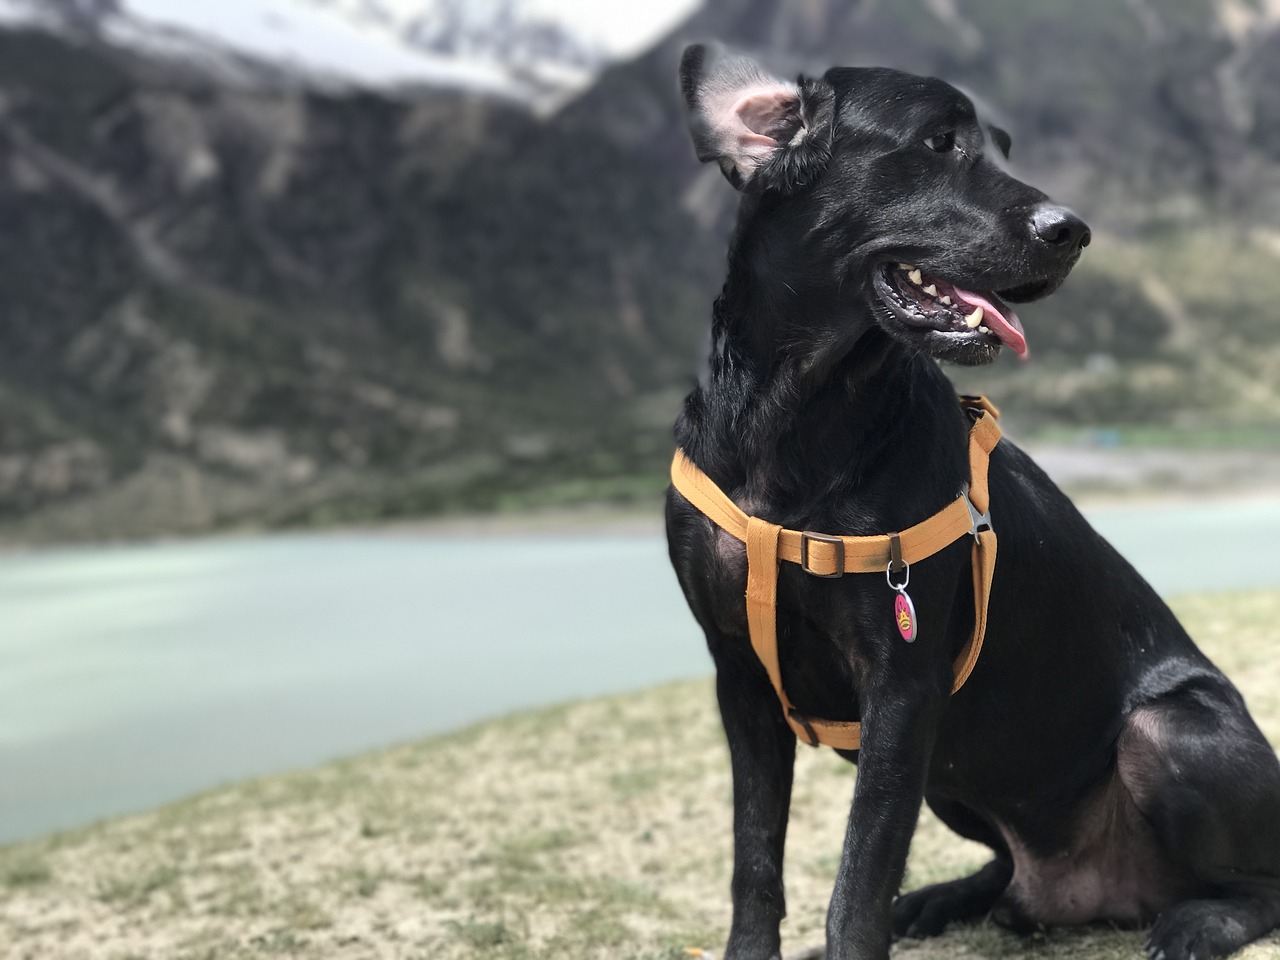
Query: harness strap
point(830, 556)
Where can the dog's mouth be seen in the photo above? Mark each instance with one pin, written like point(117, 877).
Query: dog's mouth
point(930, 303)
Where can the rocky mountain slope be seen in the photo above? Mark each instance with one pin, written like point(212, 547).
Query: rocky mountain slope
point(212, 296)
point(225, 303)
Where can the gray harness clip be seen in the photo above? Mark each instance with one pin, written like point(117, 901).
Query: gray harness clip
point(978, 521)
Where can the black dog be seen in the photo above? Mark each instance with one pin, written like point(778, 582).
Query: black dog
point(1112, 769)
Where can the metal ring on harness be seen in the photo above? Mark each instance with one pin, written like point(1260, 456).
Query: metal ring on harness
point(888, 576)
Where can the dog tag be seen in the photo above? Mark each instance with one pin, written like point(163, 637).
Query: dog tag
point(904, 611)
point(904, 615)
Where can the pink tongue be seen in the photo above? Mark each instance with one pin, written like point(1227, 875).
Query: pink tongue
point(1001, 321)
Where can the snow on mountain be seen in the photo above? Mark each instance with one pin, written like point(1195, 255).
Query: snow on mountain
point(539, 50)
point(310, 39)
point(568, 30)
point(532, 49)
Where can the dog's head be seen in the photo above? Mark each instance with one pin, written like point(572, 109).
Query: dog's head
point(878, 197)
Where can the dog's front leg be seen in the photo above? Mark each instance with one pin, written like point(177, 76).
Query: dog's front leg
point(762, 752)
point(898, 728)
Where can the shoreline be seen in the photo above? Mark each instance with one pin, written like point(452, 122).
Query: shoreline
point(597, 519)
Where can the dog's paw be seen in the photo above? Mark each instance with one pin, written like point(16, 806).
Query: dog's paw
point(1197, 930)
point(926, 912)
point(809, 953)
point(738, 952)
point(914, 917)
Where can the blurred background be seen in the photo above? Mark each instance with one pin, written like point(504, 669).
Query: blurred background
point(390, 305)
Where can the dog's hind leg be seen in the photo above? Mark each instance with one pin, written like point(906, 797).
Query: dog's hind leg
point(926, 912)
point(762, 754)
point(1208, 782)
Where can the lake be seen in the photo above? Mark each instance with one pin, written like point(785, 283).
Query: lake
point(133, 675)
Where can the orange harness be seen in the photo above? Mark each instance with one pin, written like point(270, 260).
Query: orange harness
point(822, 555)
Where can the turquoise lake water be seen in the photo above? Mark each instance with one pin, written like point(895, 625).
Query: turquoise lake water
point(138, 674)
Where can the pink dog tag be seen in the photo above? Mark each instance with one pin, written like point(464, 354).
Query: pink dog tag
point(904, 615)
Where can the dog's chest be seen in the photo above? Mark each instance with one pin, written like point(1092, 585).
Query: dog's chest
point(726, 566)
point(814, 615)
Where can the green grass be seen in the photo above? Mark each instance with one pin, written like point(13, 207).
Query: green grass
point(29, 871)
point(592, 830)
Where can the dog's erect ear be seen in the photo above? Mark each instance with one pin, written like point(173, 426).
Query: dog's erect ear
point(739, 115)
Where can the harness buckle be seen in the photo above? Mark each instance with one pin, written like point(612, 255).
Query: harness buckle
point(978, 521)
point(810, 735)
point(976, 404)
point(807, 538)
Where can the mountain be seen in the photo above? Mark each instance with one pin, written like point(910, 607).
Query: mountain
point(497, 47)
point(241, 295)
point(207, 300)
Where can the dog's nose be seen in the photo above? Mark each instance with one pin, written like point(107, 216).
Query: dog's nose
point(1060, 228)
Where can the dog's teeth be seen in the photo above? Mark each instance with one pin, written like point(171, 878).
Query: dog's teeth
point(905, 266)
point(931, 290)
point(983, 329)
point(947, 300)
point(914, 277)
point(973, 319)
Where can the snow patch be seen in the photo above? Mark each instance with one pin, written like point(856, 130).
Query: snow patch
point(19, 13)
point(299, 36)
point(541, 51)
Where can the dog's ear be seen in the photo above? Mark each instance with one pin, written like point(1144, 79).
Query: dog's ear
point(739, 115)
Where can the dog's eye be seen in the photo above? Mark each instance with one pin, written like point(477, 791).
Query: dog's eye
point(942, 142)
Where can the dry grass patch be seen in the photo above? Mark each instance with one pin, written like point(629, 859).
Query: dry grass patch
point(595, 830)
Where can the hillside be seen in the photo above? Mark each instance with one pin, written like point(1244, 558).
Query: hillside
point(225, 304)
point(600, 830)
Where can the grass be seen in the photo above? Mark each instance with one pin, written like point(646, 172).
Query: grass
point(594, 830)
